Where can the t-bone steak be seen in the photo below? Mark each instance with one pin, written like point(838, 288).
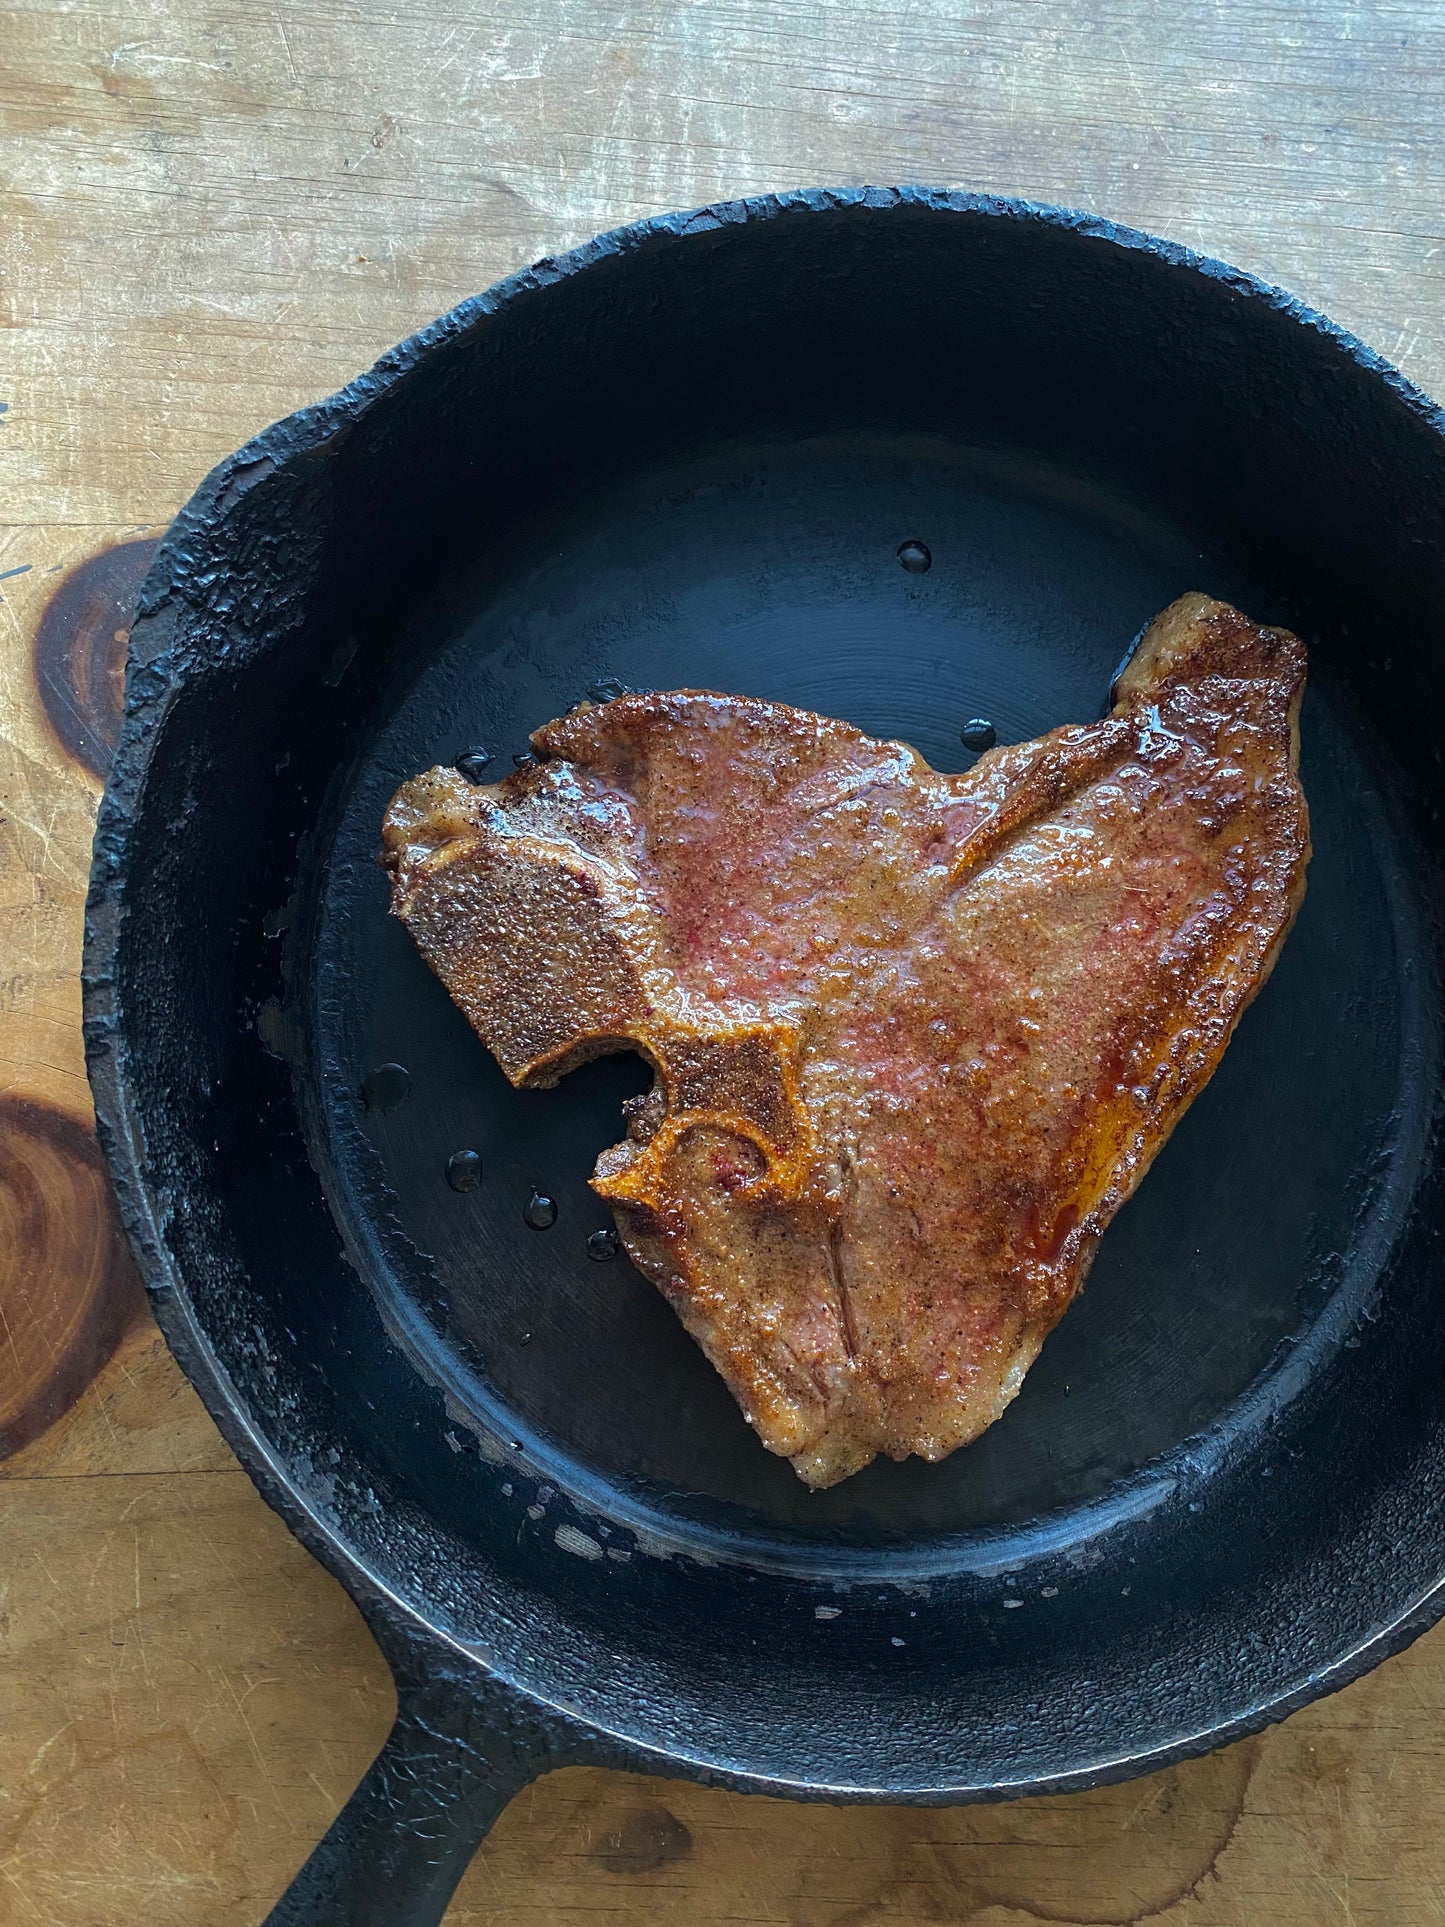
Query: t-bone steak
point(916, 1037)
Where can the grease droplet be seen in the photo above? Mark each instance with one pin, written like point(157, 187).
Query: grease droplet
point(540, 1211)
point(472, 762)
point(525, 758)
point(978, 733)
point(916, 557)
point(607, 689)
point(464, 1170)
point(602, 1245)
point(385, 1087)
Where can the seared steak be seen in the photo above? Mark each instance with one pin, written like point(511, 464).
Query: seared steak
point(917, 1037)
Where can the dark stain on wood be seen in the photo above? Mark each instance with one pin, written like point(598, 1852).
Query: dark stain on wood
point(68, 1287)
point(1108, 1857)
point(80, 650)
point(648, 1838)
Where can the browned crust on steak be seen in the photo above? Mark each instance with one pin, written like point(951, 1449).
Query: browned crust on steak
point(917, 1037)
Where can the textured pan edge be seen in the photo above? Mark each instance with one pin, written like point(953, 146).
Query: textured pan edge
point(157, 669)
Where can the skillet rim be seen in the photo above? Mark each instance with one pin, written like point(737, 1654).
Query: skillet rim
point(151, 688)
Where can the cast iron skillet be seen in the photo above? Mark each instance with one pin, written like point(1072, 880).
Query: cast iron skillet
point(689, 454)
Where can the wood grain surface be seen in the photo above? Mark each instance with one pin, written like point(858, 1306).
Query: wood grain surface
point(214, 210)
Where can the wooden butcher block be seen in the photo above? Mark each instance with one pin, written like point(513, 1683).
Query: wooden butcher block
point(213, 212)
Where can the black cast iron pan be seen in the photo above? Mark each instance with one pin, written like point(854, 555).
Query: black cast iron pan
point(689, 454)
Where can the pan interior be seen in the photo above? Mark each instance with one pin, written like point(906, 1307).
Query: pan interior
point(771, 568)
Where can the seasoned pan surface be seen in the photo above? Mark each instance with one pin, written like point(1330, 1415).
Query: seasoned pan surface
point(771, 567)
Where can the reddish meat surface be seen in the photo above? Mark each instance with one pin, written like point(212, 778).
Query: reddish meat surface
point(917, 1037)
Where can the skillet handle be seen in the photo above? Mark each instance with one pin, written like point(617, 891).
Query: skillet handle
point(396, 1852)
